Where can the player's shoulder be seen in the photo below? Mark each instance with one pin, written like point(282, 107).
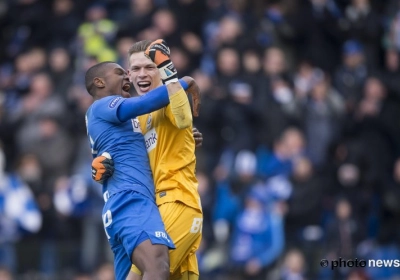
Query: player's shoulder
point(108, 102)
point(111, 101)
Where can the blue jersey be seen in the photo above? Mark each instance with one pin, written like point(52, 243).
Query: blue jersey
point(130, 214)
point(124, 142)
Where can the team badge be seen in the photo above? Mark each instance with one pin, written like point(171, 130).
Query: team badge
point(148, 123)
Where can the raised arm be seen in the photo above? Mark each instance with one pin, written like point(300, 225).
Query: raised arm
point(154, 100)
point(159, 53)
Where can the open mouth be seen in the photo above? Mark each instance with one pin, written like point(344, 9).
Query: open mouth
point(126, 87)
point(144, 86)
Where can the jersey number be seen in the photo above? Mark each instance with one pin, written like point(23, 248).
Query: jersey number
point(107, 220)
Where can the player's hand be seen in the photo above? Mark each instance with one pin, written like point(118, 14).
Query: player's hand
point(159, 53)
point(102, 167)
point(194, 91)
point(198, 137)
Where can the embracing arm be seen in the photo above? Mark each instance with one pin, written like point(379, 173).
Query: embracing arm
point(154, 100)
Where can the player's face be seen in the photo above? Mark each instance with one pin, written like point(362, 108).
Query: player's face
point(117, 80)
point(143, 73)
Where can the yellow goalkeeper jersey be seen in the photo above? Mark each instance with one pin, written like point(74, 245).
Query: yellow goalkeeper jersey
point(172, 159)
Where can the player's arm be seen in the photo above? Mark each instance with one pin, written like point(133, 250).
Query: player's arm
point(159, 53)
point(154, 100)
point(194, 92)
point(103, 166)
point(179, 104)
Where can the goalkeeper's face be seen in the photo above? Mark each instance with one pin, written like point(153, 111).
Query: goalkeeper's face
point(143, 73)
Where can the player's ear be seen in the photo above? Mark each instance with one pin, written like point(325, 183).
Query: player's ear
point(99, 82)
point(128, 72)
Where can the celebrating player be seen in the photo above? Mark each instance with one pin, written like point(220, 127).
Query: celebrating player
point(172, 161)
point(131, 218)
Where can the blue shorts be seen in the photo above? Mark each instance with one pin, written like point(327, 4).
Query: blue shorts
point(130, 218)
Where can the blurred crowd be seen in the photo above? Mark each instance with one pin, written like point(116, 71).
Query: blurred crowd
point(300, 117)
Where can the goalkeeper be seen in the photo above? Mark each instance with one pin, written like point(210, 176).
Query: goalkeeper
point(170, 147)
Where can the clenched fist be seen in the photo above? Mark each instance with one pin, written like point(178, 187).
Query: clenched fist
point(159, 53)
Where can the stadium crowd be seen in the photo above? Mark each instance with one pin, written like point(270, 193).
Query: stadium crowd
point(300, 116)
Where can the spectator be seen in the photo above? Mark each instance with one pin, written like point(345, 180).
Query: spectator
point(343, 234)
point(29, 28)
point(304, 79)
point(189, 14)
point(351, 75)
point(209, 122)
point(318, 33)
point(96, 34)
point(138, 19)
point(384, 249)
point(303, 218)
point(64, 23)
point(376, 106)
point(294, 266)
point(19, 215)
point(280, 160)
point(60, 70)
point(365, 26)
point(323, 116)
point(230, 190)
point(257, 240)
point(274, 100)
point(165, 25)
point(391, 72)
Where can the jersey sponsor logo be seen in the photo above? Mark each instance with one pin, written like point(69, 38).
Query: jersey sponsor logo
point(162, 194)
point(150, 139)
point(114, 102)
point(162, 235)
point(136, 125)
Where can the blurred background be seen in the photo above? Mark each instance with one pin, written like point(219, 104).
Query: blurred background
point(300, 117)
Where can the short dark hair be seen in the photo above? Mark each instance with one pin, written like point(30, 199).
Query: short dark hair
point(140, 46)
point(96, 70)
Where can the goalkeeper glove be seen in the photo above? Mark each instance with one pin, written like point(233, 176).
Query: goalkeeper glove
point(159, 53)
point(102, 167)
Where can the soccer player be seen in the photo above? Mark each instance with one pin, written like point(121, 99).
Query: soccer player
point(172, 160)
point(131, 218)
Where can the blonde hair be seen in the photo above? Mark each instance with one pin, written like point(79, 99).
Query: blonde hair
point(140, 46)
